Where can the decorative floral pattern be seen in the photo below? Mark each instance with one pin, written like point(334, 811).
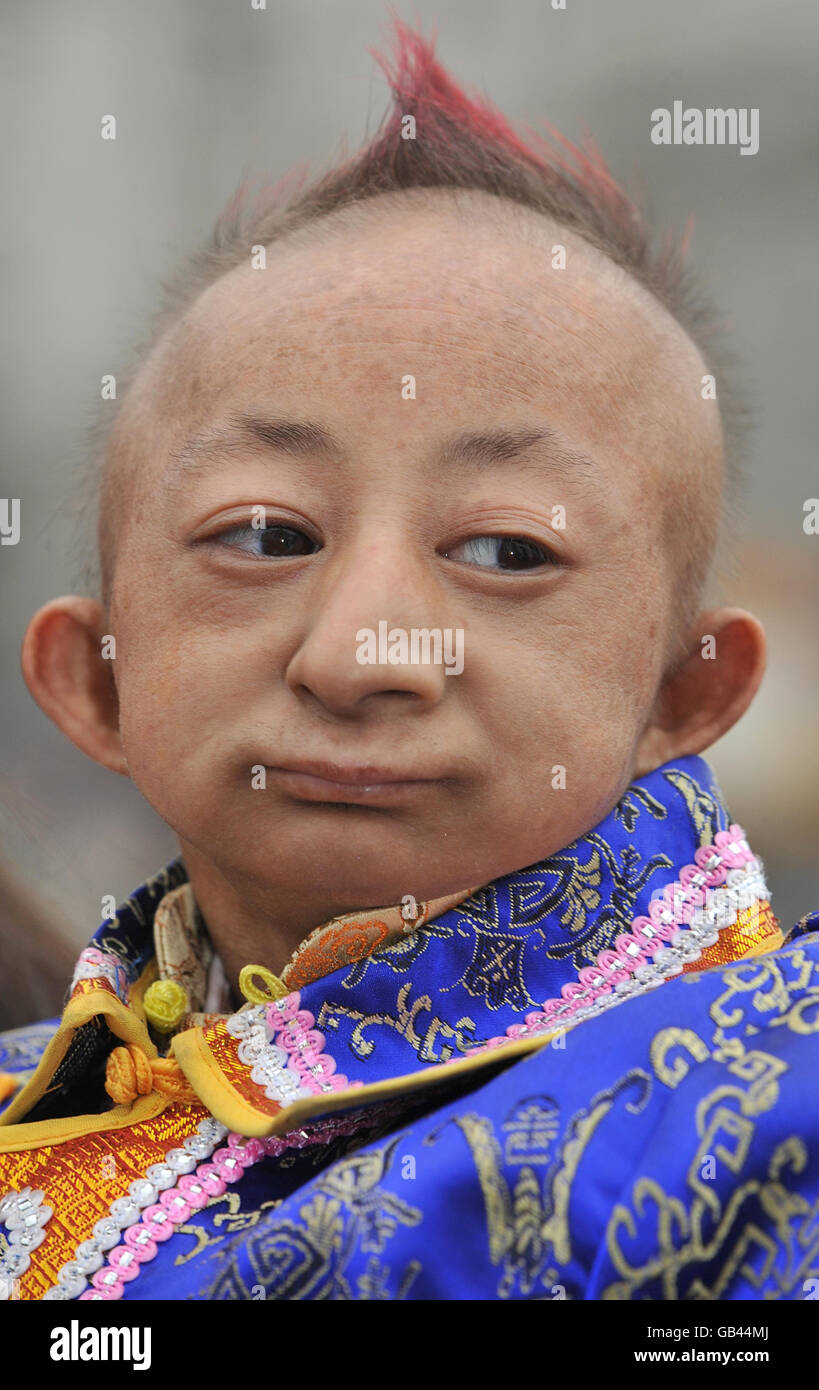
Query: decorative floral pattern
point(356, 935)
point(682, 923)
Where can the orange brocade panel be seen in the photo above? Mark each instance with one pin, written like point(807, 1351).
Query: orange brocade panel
point(224, 1050)
point(756, 930)
point(82, 1177)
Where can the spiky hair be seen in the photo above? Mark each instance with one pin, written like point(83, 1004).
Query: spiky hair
point(464, 142)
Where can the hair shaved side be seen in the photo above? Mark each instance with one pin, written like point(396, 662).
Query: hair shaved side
point(465, 142)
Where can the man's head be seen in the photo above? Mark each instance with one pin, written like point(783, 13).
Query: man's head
point(548, 482)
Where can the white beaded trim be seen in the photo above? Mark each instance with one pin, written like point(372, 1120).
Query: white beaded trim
point(742, 888)
point(89, 1255)
point(269, 1064)
point(25, 1215)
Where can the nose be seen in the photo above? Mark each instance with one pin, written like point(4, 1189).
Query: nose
point(375, 584)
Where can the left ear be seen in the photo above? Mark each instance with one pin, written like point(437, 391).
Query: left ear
point(64, 669)
point(703, 696)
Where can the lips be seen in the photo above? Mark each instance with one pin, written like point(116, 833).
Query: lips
point(359, 783)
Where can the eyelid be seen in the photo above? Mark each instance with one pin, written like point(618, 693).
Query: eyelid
point(215, 528)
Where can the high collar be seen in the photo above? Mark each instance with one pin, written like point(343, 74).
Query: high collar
point(400, 996)
point(190, 973)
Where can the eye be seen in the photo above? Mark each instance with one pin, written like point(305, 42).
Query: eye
point(502, 553)
point(268, 542)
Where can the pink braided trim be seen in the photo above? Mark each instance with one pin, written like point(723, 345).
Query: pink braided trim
point(294, 1030)
point(284, 1051)
point(140, 1242)
point(632, 949)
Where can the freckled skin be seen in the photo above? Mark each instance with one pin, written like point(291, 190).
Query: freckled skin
point(225, 661)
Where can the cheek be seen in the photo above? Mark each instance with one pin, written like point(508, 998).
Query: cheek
point(559, 765)
point(172, 686)
point(589, 730)
point(580, 703)
point(174, 726)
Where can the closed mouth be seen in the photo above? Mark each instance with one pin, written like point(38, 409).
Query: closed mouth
point(354, 783)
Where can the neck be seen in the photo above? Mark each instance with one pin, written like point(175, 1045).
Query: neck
point(255, 921)
point(251, 923)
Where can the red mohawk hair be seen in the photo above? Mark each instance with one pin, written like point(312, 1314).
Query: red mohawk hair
point(454, 123)
point(464, 142)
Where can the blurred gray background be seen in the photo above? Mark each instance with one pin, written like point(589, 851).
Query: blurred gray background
point(204, 89)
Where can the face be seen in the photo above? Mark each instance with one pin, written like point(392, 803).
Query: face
point(284, 488)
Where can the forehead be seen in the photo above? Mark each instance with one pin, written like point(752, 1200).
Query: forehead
point(467, 294)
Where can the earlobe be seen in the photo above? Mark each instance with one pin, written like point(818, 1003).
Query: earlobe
point(70, 678)
point(709, 691)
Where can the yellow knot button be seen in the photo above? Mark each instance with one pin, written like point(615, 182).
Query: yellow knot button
point(165, 1004)
point(271, 988)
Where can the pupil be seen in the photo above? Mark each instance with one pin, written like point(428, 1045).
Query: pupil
point(519, 555)
point(282, 540)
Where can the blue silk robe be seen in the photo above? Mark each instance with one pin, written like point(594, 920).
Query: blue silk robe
point(655, 1140)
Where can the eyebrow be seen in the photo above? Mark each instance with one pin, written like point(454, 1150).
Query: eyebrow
point(303, 438)
point(295, 437)
point(495, 446)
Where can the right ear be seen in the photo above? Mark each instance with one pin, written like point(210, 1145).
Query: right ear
point(71, 680)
